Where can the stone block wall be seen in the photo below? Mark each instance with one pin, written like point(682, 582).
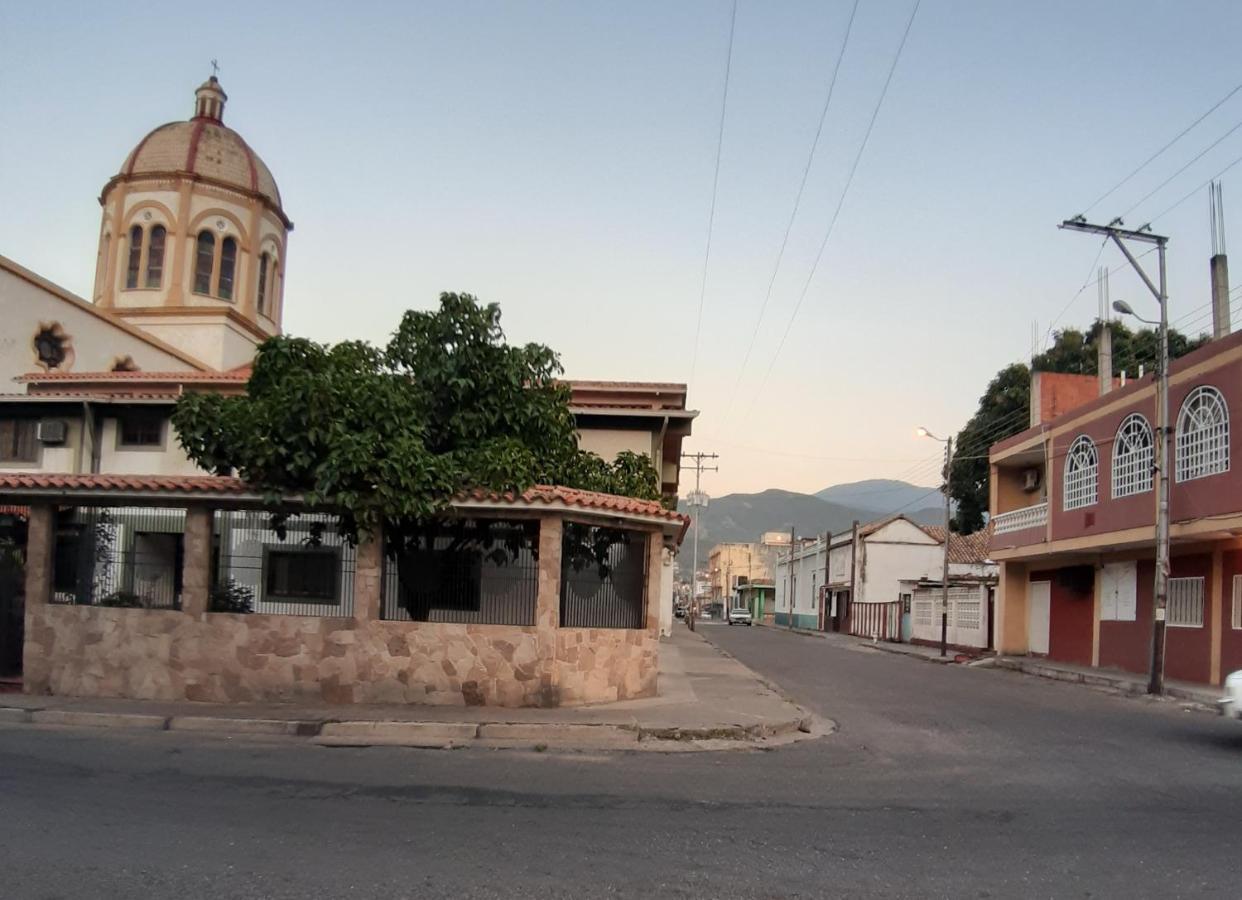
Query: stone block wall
point(221, 657)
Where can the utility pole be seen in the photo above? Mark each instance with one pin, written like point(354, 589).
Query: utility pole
point(697, 500)
point(1160, 468)
point(944, 586)
point(793, 540)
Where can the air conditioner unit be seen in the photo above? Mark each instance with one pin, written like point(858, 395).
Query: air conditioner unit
point(52, 431)
point(1030, 479)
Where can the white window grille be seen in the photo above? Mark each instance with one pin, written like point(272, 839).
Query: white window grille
point(1236, 618)
point(923, 609)
point(1132, 457)
point(1202, 435)
point(1082, 466)
point(1185, 603)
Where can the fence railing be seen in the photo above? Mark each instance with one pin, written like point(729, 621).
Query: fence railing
point(1018, 519)
point(468, 571)
point(603, 577)
point(304, 567)
point(119, 557)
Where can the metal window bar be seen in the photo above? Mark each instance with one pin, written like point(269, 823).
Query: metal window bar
point(464, 571)
point(1081, 470)
point(305, 568)
point(603, 577)
point(1202, 435)
point(1236, 617)
point(1185, 603)
point(1132, 457)
point(125, 557)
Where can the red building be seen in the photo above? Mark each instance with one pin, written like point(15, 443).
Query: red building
point(1074, 510)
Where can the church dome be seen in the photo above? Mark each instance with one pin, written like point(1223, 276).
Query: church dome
point(206, 147)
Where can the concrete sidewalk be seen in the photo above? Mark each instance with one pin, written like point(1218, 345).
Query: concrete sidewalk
point(707, 701)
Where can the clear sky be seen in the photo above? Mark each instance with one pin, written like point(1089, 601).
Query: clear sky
point(558, 158)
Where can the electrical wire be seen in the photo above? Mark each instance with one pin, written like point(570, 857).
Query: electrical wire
point(875, 113)
point(1198, 157)
point(1181, 134)
point(711, 216)
point(806, 171)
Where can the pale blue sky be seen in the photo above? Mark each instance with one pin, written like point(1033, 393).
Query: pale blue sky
point(557, 158)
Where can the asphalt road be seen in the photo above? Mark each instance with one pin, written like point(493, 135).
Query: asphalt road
point(941, 781)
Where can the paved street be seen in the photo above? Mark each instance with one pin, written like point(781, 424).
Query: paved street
point(941, 781)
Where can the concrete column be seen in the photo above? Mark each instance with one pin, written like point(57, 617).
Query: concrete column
point(1011, 614)
point(369, 577)
point(1216, 613)
point(548, 609)
point(196, 562)
point(40, 554)
point(655, 579)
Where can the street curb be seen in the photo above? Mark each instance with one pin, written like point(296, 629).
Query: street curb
point(441, 735)
point(1100, 680)
point(98, 720)
point(883, 646)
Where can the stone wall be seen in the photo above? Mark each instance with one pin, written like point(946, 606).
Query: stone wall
point(219, 657)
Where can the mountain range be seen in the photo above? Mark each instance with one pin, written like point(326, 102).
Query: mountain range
point(745, 517)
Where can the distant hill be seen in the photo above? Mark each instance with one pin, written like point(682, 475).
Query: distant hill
point(880, 495)
point(744, 517)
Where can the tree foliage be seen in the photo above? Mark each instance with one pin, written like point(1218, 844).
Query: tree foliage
point(1004, 407)
point(391, 435)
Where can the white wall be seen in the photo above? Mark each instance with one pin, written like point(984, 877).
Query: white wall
point(968, 615)
point(900, 551)
point(167, 460)
point(608, 442)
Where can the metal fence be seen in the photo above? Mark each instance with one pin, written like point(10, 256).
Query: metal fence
point(467, 571)
point(119, 557)
point(300, 566)
point(603, 577)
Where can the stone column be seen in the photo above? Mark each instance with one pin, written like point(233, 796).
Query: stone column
point(196, 562)
point(548, 609)
point(655, 579)
point(369, 577)
point(40, 551)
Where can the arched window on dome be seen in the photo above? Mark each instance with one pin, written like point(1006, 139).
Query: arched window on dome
point(204, 260)
point(1082, 466)
point(155, 257)
point(1132, 457)
point(135, 257)
point(1202, 434)
point(261, 303)
point(228, 267)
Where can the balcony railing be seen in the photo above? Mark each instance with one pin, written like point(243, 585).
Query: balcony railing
point(1028, 517)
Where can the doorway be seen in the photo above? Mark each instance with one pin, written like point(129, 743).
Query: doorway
point(1038, 606)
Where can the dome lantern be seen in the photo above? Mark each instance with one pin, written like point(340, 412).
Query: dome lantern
point(209, 100)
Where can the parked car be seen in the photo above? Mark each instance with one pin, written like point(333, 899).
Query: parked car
point(1230, 705)
point(739, 616)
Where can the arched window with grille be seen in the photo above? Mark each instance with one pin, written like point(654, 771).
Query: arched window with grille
point(204, 261)
point(155, 257)
point(135, 257)
point(1132, 457)
point(262, 298)
point(228, 266)
point(1082, 467)
point(1202, 434)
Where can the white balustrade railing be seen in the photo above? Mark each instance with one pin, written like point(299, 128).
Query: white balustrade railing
point(1027, 517)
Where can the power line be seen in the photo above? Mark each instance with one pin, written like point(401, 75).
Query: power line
point(1085, 284)
point(806, 171)
point(1169, 209)
point(711, 216)
point(1181, 134)
point(875, 113)
point(1198, 157)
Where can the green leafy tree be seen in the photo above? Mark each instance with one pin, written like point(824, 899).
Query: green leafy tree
point(391, 435)
point(1003, 406)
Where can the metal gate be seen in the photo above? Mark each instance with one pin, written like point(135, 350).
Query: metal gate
point(12, 595)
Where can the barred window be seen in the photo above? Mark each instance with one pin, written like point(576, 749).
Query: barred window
point(155, 257)
point(1185, 603)
point(1236, 617)
point(135, 257)
point(262, 299)
point(1132, 457)
point(1081, 471)
point(228, 266)
point(204, 261)
point(1202, 435)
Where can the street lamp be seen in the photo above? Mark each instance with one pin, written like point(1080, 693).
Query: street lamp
point(944, 580)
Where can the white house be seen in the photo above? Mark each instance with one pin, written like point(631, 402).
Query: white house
point(876, 580)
